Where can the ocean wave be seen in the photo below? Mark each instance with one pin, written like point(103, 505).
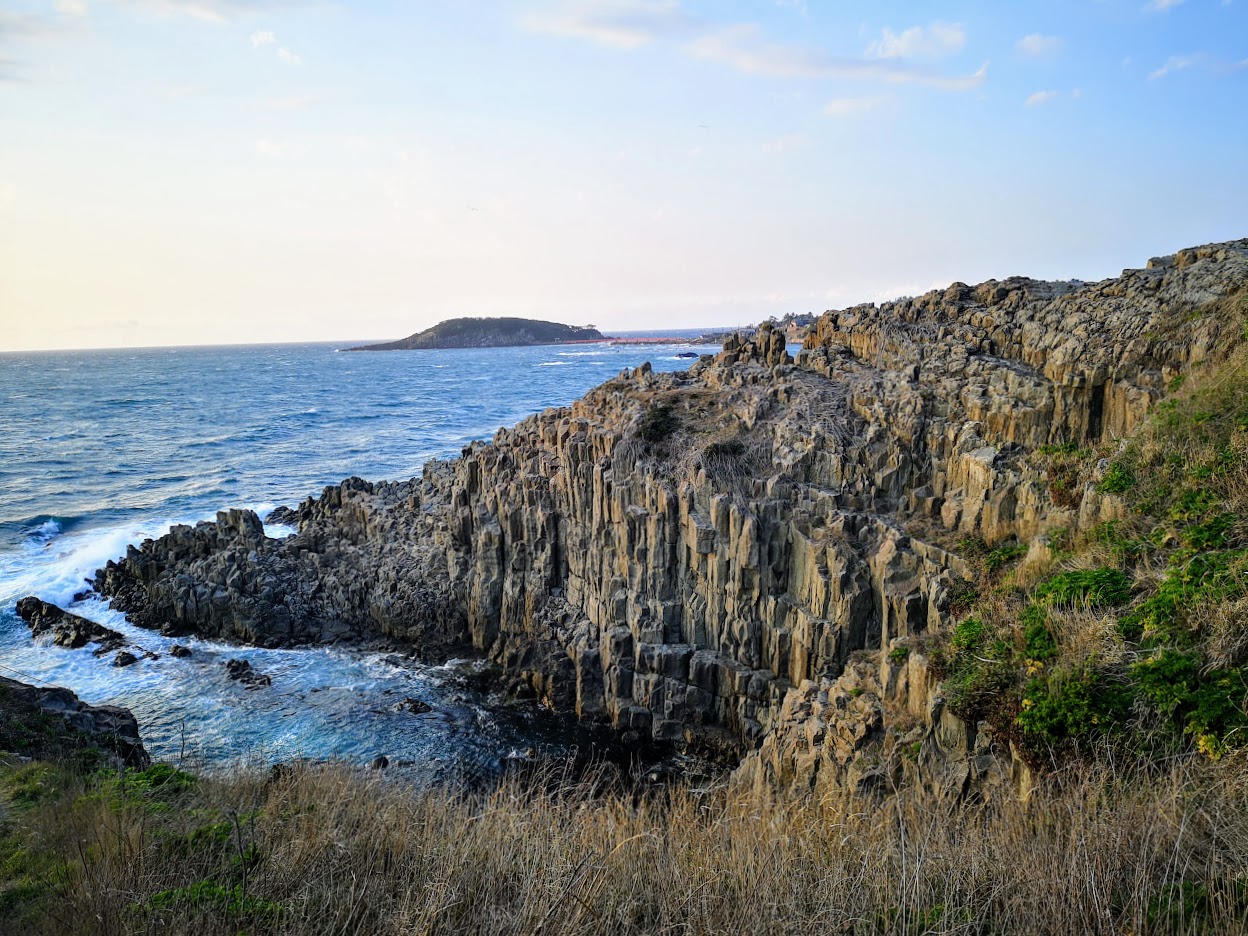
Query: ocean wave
point(554, 364)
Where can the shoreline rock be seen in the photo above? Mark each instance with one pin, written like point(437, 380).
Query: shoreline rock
point(55, 723)
point(697, 557)
point(67, 630)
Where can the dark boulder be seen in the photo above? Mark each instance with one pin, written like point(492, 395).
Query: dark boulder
point(241, 671)
point(67, 630)
point(75, 727)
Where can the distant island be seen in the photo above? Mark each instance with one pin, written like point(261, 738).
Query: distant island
point(489, 333)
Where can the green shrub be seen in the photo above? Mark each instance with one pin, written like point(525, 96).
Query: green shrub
point(1207, 704)
point(1193, 578)
point(1002, 556)
point(1117, 479)
point(1040, 643)
point(1101, 587)
point(1066, 706)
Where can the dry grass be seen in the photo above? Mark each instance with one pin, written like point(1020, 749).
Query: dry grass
point(329, 850)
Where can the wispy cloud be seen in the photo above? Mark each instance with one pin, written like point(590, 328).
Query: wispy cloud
point(935, 41)
point(1173, 64)
point(1161, 6)
point(625, 24)
point(262, 38)
point(1041, 97)
point(849, 106)
point(26, 25)
point(268, 149)
point(208, 11)
point(790, 141)
point(739, 47)
point(798, 5)
point(1038, 46)
point(298, 102)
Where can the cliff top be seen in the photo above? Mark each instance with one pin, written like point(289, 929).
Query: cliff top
point(489, 333)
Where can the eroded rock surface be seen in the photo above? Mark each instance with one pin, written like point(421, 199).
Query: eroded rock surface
point(67, 630)
point(701, 555)
point(54, 722)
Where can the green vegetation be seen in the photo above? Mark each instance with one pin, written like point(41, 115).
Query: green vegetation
point(658, 422)
point(489, 333)
point(1138, 641)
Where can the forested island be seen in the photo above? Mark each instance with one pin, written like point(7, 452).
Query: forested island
point(489, 333)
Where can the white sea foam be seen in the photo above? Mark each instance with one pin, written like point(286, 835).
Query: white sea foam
point(554, 364)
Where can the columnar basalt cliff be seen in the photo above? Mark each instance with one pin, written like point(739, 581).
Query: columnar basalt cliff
point(702, 555)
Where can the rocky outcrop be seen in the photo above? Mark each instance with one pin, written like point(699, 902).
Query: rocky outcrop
point(359, 569)
point(67, 630)
point(489, 333)
point(701, 556)
point(55, 723)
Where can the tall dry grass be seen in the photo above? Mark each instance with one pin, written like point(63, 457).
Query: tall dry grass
point(332, 850)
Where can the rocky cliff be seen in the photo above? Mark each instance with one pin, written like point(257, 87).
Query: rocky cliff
point(712, 556)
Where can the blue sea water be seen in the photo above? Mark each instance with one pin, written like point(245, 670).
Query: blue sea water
point(101, 449)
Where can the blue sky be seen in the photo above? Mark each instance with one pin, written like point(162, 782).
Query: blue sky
point(203, 171)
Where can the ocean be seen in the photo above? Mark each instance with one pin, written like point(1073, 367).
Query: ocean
point(102, 449)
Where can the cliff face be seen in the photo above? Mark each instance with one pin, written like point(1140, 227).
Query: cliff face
point(702, 555)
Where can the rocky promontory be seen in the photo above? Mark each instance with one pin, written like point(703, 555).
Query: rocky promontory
point(717, 556)
point(489, 333)
point(54, 724)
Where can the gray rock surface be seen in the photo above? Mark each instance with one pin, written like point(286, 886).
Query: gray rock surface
point(699, 556)
point(53, 722)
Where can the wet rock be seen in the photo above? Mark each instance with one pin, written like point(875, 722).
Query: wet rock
point(125, 658)
point(380, 763)
point(283, 516)
point(68, 630)
point(180, 652)
point(412, 706)
point(240, 670)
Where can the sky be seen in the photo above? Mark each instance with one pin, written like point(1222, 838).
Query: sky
point(236, 171)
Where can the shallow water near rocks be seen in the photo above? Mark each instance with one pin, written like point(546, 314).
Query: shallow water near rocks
point(101, 449)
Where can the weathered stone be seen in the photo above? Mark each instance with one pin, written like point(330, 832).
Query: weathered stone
point(717, 579)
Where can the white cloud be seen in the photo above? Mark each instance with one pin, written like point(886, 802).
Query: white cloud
point(798, 5)
point(1038, 46)
point(290, 103)
point(1161, 6)
point(262, 37)
point(1175, 63)
point(848, 106)
point(208, 11)
point(289, 57)
point(1040, 97)
point(625, 24)
point(737, 46)
point(71, 7)
point(25, 25)
point(268, 149)
point(935, 41)
point(789, 141)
